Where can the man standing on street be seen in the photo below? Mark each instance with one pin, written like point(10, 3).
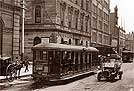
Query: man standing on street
point(26, 63)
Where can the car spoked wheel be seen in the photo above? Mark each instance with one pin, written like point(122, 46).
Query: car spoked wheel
point(99, 76)
point(112, 78)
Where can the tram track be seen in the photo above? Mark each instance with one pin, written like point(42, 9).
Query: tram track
point(97, 86)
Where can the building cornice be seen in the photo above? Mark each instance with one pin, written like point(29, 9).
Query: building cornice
point(9, 7)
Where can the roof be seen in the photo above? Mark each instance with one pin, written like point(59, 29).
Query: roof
point(126, 51)
point(63, 47)
point(106, 50)
point(114, 56)
point(92, 49)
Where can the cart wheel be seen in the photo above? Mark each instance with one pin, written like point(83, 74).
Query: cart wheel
point(10, 73)
point(99, 76)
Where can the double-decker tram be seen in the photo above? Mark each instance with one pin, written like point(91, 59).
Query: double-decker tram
point(57, 61)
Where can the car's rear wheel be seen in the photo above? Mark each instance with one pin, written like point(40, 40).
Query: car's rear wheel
point(112, 78)
point(99, 76)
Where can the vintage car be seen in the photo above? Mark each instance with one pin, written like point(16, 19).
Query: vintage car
point(110, 68)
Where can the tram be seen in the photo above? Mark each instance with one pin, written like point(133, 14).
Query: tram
point(55, 61)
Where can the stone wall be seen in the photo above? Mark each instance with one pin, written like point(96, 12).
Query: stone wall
point(11, 28)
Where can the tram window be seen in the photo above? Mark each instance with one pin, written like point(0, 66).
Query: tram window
point(57, 55)
point(37, 55)
point(69, 55)
point(95, 59)
point(41, 55)
point(34, 54)
point(86, 59)
point(95, 56)
point(50, 55)
point(89, 60)
point(72, 57)
point(76, 61)
point(64, 54)
point(45, 56)
point(81, 60)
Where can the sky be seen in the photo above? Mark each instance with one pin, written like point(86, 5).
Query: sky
point(125, 13)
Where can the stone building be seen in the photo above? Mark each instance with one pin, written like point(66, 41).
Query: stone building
point(129, 42)
point(122, 39)
point(74, 22)
point(100, 32)
point(128, 52)
point(9, 28)
point(114, 29)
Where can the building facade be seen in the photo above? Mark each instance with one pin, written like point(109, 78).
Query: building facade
point(122, 39)
point(129, 42)
point(114, 29)
point(10, 14)
point(74, 22)
point(100, 24)
point(100, 34)
point(128, 51)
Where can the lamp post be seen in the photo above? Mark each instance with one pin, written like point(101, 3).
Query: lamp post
point(22, 37)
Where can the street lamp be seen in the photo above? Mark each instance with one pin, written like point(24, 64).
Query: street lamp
point(22, 37)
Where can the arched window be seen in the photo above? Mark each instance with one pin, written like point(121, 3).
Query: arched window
point(37, 40)
point(38, 14)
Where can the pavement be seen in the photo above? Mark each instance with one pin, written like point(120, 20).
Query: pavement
point(22, 73)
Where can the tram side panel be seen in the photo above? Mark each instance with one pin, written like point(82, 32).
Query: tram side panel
point(53, 64)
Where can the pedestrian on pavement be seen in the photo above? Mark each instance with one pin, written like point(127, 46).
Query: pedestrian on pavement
point(18, 66)
point(26, 63)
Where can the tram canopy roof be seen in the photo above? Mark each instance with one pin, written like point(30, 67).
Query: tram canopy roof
point(127, 51)
point(92, 49)
point(42, 46)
